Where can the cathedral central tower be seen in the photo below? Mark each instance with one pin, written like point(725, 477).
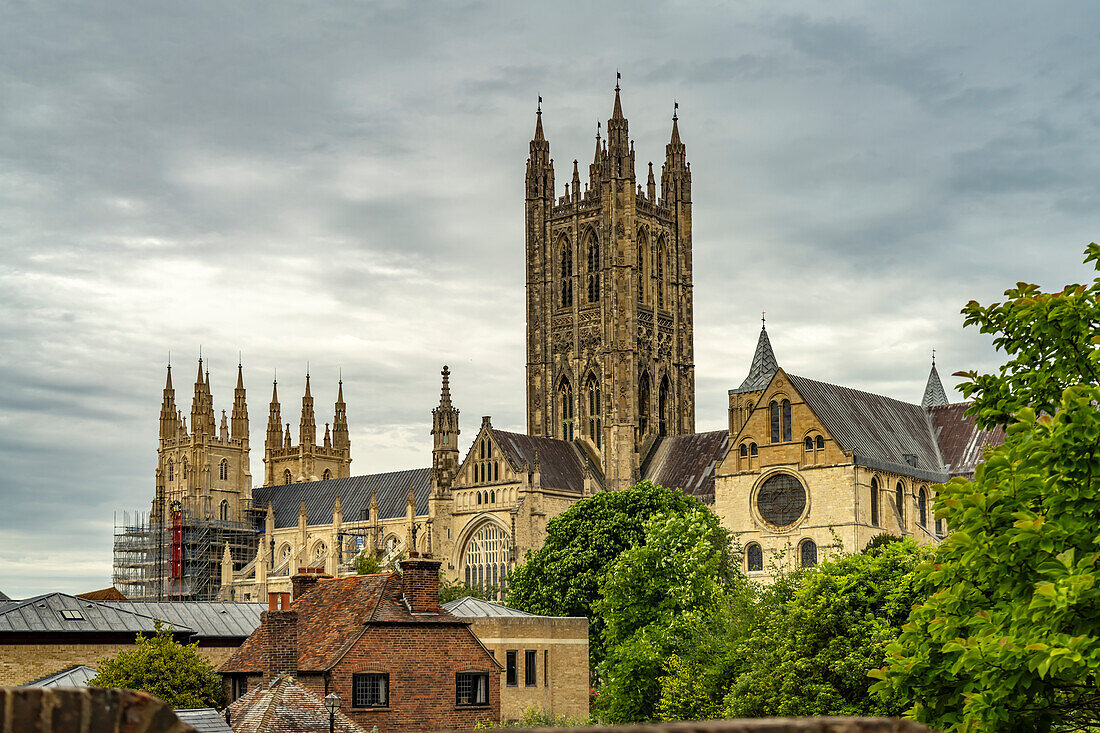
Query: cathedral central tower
point(610, 358)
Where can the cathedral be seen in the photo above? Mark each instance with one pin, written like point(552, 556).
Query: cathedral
point(804, 467)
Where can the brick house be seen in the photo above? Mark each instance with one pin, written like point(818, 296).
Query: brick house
point(381, 642)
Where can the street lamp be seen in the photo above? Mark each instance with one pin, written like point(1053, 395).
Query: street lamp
point(332, 704)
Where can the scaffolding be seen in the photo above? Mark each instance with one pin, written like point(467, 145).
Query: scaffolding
point(179, 557)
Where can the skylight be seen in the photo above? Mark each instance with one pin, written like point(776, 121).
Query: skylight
point(71, 615)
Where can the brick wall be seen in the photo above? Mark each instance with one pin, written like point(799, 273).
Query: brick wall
point(85, 710)
point(21, 663)
point(421, 663)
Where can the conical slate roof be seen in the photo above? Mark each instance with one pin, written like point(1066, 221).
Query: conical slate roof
point(934, 394)
point(764, 366)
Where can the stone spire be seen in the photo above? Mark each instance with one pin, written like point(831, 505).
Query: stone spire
point(576, 182)
point(676, 172)
point(287, 442)
point(224, 429)
point(764, 365)
point(620, 154)
point(307, 428)
point(169, 415)
point(934, 393)
point(198, 405)
point(239, 422)
point(274, 420)
point(540, 169)
point(340, 438)
point(651, 186)
point(328, 437)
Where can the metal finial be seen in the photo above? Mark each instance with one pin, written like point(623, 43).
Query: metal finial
point(340, 372)
point(762, 322)
point(675, 110)
point(933, 357)
point(540, 105)
point(618, 78)
point(240, 358)
point(598, 129)
point(169, 358)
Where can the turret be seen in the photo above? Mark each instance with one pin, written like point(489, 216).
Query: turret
point(274, 421)
point(676, 172)
point(540, 168)
point(307, 429)
point(595, 170)
point(328, 438)
point(340, 438)
point(169, 415)
point(651, 186)
point(198, 406)
point(239, 422)
point(224, 429)
point(620, 150)
point(287, 442)
point(445, 457)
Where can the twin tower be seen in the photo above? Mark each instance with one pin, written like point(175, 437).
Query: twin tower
point(610, 358)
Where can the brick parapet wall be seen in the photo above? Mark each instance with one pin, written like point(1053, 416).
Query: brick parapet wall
point(85, 710)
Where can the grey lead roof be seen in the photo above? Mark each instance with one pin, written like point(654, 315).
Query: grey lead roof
point(934, 394)
point(355, 491)
point(470, 607)
point(74, 676)
point(204, 720)
point(763, 368)
point(43, 614)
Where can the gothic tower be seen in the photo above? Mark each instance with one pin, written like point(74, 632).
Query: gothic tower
point(610, 358)
point(286, 463)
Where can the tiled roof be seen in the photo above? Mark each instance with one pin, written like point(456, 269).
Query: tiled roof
point(470, 607)
point(284, 706)
point(962, 444)
point(74, 676)
point(334, 611)
point(355, 491)
point(878, 430)
point(763, 367)
point(106, 594)
point(204, 720)
point(687, 462)
point(560, 464)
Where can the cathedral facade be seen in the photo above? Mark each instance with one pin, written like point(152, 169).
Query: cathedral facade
point(802, 469)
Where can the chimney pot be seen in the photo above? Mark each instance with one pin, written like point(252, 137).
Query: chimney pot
point(420, 584)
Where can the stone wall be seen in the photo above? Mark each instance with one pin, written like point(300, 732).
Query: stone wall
point(21, 663)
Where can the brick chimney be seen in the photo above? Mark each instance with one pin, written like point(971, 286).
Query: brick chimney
point(305, 581)
point(280, 638)
point(420, 584)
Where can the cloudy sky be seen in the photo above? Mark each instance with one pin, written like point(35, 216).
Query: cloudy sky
point(341, 183)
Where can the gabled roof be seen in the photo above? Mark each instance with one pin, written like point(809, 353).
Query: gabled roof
point(879, 431)
point(106, 594)
point(687, 462)
point(560, 463)
point(74, 676)
point(206, 619)
point(934, 394)
point(332, 615)
point(204, 720)
point(962, 444)
point(763, 367)
point(283, 706)
point(392, 489)
point(470, 607)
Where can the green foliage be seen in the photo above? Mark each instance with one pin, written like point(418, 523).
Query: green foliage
point(658, 600)
point(880, 540)
point(1009, 634)
point(562, 578)
point(367, 563)
point(818, 633)
point(1052, 342)
point(453, 590)
point(165, 668)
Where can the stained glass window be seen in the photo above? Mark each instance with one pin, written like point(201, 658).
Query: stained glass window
point(486, 559)
point(781, 500)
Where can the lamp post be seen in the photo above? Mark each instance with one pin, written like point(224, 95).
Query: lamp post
point(332, 704)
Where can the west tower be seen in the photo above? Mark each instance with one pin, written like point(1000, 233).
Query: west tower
point(610, 357)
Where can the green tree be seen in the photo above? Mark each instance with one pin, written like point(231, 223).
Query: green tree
point(658, 599)
point(818, 632)
point(453, 590)
point(1008, 637)
point(562, 578)
point(367, 563)
point(163, 667)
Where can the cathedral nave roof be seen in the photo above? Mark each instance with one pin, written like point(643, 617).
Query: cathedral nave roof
point(392, 489)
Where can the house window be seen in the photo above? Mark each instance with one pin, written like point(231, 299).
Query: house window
point(754, 557)
point(809, 554)
point(529, 676)
point(472, 688)
point(510, 669)
point(545, 667)
point(874, 502)
point(939, 527)
point(744, 451)
point(371, 690)
point(286, 476)
point(820, 443)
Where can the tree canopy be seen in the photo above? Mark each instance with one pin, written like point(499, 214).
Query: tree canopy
point(163, 667)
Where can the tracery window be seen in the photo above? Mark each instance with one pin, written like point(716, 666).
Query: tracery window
point(874, 502)
point(223, 510)
point(808, 554)
point(485, 560)
point(171, 470)
point(754, 558)
point(326, 475)
point(899, 503)
point(643, 404)
point(661, 274)
point(185, 468)
point(922, 507)
point(643, 246)
point(593, 270)
point(595, 411)
point(223, 470)
point(286, 476)
point(781, 500)
point(566, 274)
point(664, 406)
point(565, 409)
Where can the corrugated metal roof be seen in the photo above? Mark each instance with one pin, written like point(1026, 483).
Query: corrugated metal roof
point(206, 619)
point(962, 444)
point(560, 463)
point(204, 720)
point(74, 676)
point(392, 489)
point(687, 462)
point(872, 426)
point(470, 607)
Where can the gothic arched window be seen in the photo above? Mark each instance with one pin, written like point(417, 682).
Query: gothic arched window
point(754, 558)
point(223, 510)
point(643, 249)
point(661, 252)
point(223, 470)
point(286, 476)
point(595, 410)
point(643, 404)
point(185, 468)
point(565, 409)
point(566, 274)
point(593, 270)
point(786, 421)
point(485, 560)
point(899, 503)
point(773, 414)
point(922, 507)
point(326, 475)
point(664, 406)
point(808, 554)
point(874, 502)
point(171, 470)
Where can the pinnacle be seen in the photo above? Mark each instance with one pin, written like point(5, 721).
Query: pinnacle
point(198, 378)
point(168, 382)
point(675, 132)
point(617, 113)
point(275, 391)
point(764, 365)
point(934, 393)
point(538, 126)
point(240, 376)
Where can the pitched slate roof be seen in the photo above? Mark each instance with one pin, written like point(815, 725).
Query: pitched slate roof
point(392, 489)
point(934, 394)
point(74, 676)
point(560, 463)
point(206, 619)
point(204, 720)
point(763, 367)
point(878, 431)
point(962, 444)
point(470, 607)
point(687, 462)
point(330, 615)
point(284, 706)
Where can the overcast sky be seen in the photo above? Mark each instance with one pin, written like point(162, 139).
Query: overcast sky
point(341, 183)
